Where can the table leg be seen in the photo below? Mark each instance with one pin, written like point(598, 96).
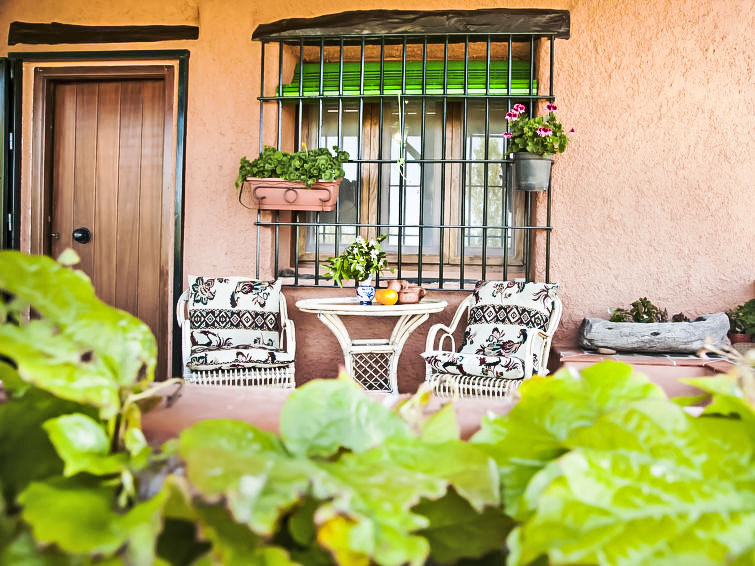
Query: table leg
point(337, 327)
point(405, 325)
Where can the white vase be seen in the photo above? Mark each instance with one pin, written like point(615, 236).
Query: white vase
point(366, 291)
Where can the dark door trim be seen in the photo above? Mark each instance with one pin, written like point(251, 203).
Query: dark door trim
point(14, 180)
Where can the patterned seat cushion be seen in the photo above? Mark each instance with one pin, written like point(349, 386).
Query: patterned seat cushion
point(230, 357)
point(502, 367)
point(226, 312)
point(504, 313)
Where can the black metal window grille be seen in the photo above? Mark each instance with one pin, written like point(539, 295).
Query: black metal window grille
point(428, 163)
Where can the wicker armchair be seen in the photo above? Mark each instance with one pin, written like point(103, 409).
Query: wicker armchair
point(236, 331)
point(507, 339)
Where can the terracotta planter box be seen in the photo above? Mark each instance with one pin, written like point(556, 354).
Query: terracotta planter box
point(279, 194)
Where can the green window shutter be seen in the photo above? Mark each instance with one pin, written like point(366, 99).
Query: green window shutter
point(392, 76)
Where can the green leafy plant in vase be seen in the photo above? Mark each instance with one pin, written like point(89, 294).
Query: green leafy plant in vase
point(276, 176)
point(360, 261)
point(534, 141)
point(742, 322)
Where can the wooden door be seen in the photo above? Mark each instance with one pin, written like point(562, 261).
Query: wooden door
point(107, 179)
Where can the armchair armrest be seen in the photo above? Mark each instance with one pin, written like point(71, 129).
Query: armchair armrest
point(447, 330)
point(534, 353)
point(432, 333)
point(289, 330)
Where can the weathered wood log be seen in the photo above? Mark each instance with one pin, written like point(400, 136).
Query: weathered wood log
point(654, 337)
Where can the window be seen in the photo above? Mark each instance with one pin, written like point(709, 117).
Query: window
point(423, 119)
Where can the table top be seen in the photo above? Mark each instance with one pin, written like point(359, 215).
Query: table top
point(351, 306)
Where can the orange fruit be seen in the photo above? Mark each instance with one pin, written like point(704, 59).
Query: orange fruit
point(386, 296)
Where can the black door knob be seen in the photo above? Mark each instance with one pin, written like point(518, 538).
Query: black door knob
point(82, 235)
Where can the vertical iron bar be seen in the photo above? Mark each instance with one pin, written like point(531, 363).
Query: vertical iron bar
point(262, 102)
point(441, 243)
point(300, 102)
point(380, 141)
point(506, 189)
point(319, 134)
point(402, 155)
point(339, 141)
point(553, 46)
point(317, 249)
point(359, 135)
point(296, 251)
point(527, 234)
point(463, 222)
point(531, 102)
point(485, 167)
point(257, 267)
point(280, 94)
point(422, 164)
point(262, 107)
point(548, 239)
point(548, 220)
point(277, 241)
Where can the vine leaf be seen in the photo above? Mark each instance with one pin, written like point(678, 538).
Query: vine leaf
point(83, 445)
point(327, 415)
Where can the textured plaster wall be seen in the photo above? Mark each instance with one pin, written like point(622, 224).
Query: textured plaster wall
point(655, 195)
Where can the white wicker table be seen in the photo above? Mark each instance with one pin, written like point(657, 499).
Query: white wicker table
point(372, 362)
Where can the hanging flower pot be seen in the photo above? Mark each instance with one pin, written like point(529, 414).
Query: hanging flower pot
point(533, 142)
point(532, 172)
point(279, 194)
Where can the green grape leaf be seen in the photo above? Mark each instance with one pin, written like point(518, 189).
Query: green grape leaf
point(78, 516)
point(24, 551)
point(26, 453)
point(115, 344)
point(466, 467)
point(458, 531)
point(13, 385)
point(726, 397)
point(646, 484)
point(233, 544)
point(534, 432)
point(83, 445)
point(441, 426)
point(57, 363)
point(247, 466)
point(326, 415)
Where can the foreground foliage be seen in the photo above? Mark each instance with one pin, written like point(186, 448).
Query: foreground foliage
point(591, 468)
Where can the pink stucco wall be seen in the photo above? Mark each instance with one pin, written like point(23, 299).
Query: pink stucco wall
point(655, 195)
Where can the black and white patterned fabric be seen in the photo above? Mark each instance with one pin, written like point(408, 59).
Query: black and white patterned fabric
point(503, 314)
point(503, 367)
point(234, 322)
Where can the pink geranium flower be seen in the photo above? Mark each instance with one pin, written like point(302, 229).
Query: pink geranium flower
point(508, 135)
point(544, 132)
point(519, 108)
point(511, 116)
point(571, 131)
point(551, 107)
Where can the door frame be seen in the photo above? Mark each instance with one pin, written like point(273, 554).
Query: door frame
point(77, 69)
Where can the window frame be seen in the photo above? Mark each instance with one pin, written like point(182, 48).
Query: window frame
point(453, 249)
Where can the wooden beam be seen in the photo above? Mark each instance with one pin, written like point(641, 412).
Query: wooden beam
point(55, 33)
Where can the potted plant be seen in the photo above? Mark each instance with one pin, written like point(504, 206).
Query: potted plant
point(742, 322)
point(359, 261)
point(533, 141)
point(305, 180)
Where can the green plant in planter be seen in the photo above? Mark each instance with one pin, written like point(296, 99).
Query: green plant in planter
point(643, 311)
point(360, 260)
point(543, 135)
point(308, 166)
point(742, 318)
